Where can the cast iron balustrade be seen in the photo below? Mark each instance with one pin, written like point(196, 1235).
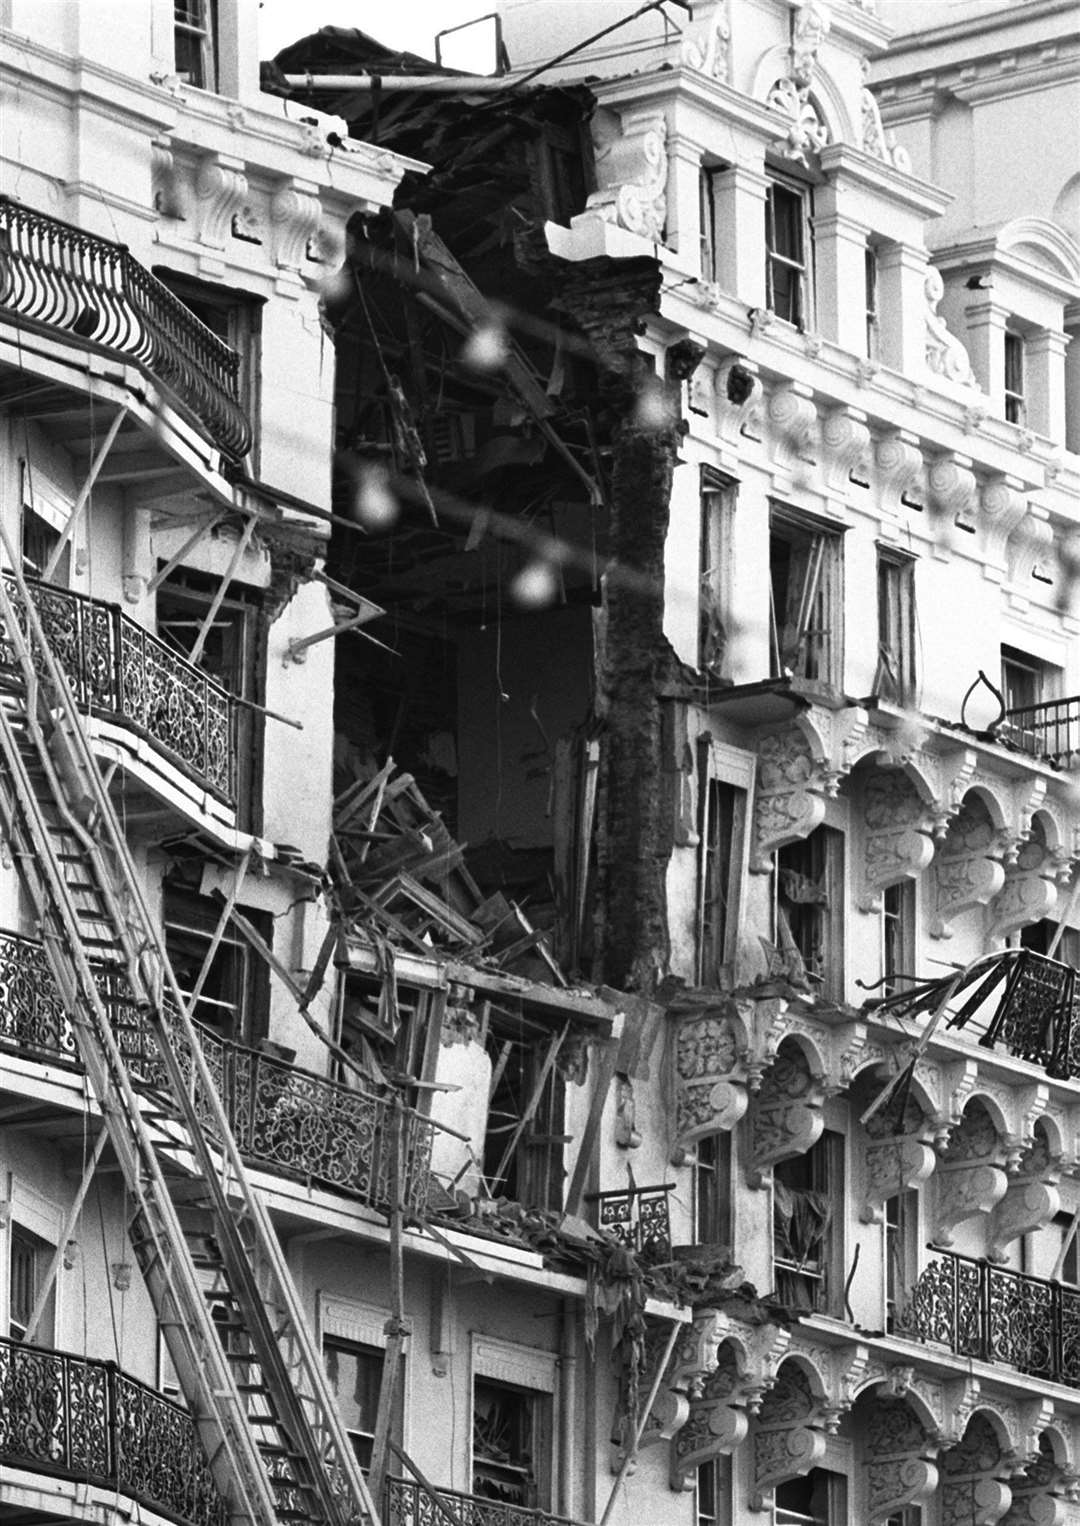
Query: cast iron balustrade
point(285, 1119)
point(57, 276)
point(120, 671)
point(1050, 731)
point(995, 1314)
point(407, 1504)
point(89, 1421)
point(638, 1217)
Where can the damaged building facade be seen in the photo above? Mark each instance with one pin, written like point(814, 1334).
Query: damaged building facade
point(537, 771)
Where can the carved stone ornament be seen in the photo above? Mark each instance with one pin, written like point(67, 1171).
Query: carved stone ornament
point(632, 171)
point(967, 870)
point(972, 1492)
point(222, 189)
point(1031, 1199)
point(946, 357)
point(170, 191)
point(793, 426)
point(897, 841)
point(810, 25)
point(875, 140)
point(790, 798)
point(691, 1362)
point(971, 1175)
point(845, 437)
point(1032, 560)
point(787, 1118)
point(708, 1043)
point(1003, 508)
point(1037, 1492)
point(901, 472)
point(898, 1449)
point(892, 1166)
point(805, 132)
point(1030, 890)
point(295, 214)
point(707, 43)
point(718, 1421)
point(789, 1435)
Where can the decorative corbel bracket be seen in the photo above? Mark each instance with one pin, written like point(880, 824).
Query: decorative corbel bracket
point(789, 1436)
point(692, 1360)
point(967, 869)
point(897, 843)
point(789, 802)
point(793, 429)
point(900, 1470)
point(1029, 893)
point(295, 214)
point(170, 192)
point(221, 188)
point(971, 1489)
point(709, 1043)
point(845, 439)
point(632, 171)
point(1031, 1199)
point(971, 1175)
point(901, 472)
point(787, 1117)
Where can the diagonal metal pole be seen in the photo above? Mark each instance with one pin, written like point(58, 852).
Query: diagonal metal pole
point(84, 495)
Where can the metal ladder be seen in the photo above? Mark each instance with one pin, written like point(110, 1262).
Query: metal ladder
point(217, 1276)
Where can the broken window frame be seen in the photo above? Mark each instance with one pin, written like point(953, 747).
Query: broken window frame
point(46, 513)
point(807, 1274)
point(806, 635)
point(529, 1410)
point(895, 676)
point(725, 797)
point(716, 578)
point(391, 1021)
point(789, 250)
point(189, 921)
point(535, 1172)
point(815, 927)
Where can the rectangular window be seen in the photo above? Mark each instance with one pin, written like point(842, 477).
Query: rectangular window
point(712, 1190)
point(1015, 409)
point(911, 1515)
point(901, 1230)
point(511, 1444)
point(897, 935)
point(716, 579)
point(707, 213)
point(818, 1498)
point(524, 1165)
point(234, 998)
point(195, 41)
point(29, 1261)
point(871, 282)
point(787, 252)
point(805, 594)
point(806, 1190)
point(1024, 679)
point(809, 907)
point(713, 1492)
point(895, 676)
point(355, 1373)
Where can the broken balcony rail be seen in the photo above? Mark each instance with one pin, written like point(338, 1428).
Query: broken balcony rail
point(285, 1119)
point(64, 279)
point(1049, 731)
point(86, 1420)
point(410, 1504)
point(123, 673)
point(638, 1217)
point(995, 1314)
point(1021, 1000)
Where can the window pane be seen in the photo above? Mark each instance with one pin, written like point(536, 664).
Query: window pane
point(505, 1443)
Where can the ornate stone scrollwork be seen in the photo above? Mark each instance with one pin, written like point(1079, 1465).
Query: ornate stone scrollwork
point(170, 193)
point(738, 394)
point(1030, 889)
point(793, 426)
point(1031, 557)
point(691, 1362)
point(789, 1435)
point(967, 870)
point(709, 1043)
point(295, 214)
point(632, 170)
point(953, 488)
point(787, 1117)
point(1037, 1492)
point(707, 44)
point(845, 436)
point(897, 1157)
point(971, 1175)
point(1002, 509)
point(746, 1368)
point(898, 1449)
point(875, 140)
point(946, 357)
point(1031, 1198)
point(901, 471)
point(222, 188)
point(972, 1492)
point(897, 842)
point(790, 798)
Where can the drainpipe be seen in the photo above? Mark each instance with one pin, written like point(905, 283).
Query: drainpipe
point(567, 1407)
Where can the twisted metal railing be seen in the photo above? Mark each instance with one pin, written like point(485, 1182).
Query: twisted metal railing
point(119, 670)
point(285, 1119)
point(89, 1421)
point(57, 275)
point(1050, 731)
point(407, 1504)
point(995, 1314)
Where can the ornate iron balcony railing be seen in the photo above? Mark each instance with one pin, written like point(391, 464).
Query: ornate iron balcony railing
point(120, 671)
point(995, 1314)
point(408, 1504)
point(89, 1421)
point(60, 277)
point(638, 1216)
point(285, 1119)
point(1050, 731)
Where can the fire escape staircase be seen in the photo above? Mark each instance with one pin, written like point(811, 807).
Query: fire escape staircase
point(222, 1291)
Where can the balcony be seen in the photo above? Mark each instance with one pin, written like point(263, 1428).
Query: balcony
point(994, 1314)
point(56, 277)
point(407, 1504)
point(285, 1120)
point(122, 673)
point(1049, 732)
point(638, 1217)
point(88, 1421)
